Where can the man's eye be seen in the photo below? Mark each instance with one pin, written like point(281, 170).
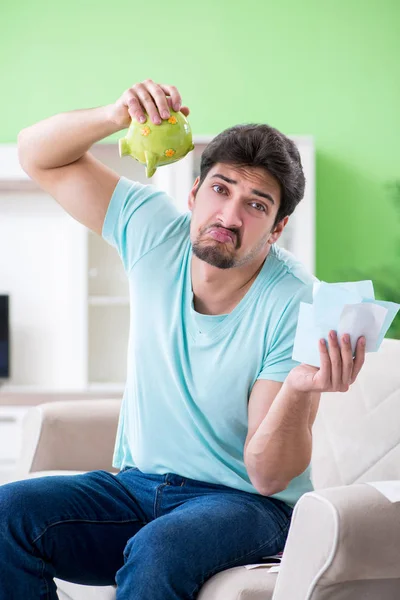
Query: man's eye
point(260, 207)
point(220, 188)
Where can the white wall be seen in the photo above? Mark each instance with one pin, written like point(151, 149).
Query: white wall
point(40, 249)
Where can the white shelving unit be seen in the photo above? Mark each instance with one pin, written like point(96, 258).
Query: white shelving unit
point(69, 305)
point(10, 439)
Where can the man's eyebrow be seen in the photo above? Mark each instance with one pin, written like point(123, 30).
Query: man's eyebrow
point(257, 192)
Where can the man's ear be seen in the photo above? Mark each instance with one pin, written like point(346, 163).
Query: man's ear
point(192, 193)
point(277, 232)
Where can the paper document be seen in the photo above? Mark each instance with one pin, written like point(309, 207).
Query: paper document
point(270, 561)
point(348, 307)
point(273, 569)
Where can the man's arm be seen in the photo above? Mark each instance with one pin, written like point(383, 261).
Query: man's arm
point(279, 440)
point(54, 152)
point(279, 447)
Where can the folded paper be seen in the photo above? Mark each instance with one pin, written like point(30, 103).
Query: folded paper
point(348, 307)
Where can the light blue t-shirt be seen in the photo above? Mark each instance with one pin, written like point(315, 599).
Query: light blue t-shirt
point(189, 376)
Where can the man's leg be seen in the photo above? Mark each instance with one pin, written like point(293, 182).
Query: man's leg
point(71, 527)
point(176, 553)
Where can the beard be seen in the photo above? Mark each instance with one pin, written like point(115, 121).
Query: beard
point(213, 255)
point(223, 255)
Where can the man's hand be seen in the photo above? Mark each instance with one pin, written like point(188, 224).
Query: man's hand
point(155, 99)
point(338, 368)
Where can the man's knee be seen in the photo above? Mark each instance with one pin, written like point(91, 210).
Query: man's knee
point(157, 564)
point(21, 505)
point(155, 544)
point(12, 499)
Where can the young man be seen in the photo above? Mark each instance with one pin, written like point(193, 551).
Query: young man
point(214, 440)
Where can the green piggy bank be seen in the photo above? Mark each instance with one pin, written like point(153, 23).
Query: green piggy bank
point(157, 145)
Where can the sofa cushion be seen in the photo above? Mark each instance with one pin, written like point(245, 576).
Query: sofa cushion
point(238, 583)
point(72, 591)
point(356, 436)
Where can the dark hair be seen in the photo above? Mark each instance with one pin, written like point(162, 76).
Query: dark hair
point(254, 145)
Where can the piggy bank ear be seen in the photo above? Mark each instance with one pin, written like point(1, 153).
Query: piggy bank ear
point(123, 147)
point(151, 163)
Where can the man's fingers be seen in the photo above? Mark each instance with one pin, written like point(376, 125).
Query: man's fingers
point(359, 359)
point(171, 91)
point(184, 109)
point(154, 99)
point(325, 365)
point(160, 98)
point(347, 360)
point(135, 109)
point(147, 102)
point(336, 361)
point(338, 370)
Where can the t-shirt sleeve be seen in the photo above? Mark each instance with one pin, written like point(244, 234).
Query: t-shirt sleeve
point(139, 218)
point(278, 361)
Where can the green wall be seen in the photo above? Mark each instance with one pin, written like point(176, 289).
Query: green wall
point(311, 67)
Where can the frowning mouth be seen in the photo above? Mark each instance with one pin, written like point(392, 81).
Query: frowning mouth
point(222, 235)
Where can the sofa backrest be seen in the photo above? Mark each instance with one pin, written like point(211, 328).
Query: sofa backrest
point(356, 435)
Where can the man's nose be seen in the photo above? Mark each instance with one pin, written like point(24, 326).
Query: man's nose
point(230, 216)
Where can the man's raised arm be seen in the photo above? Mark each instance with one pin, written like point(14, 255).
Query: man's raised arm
point(55, 151)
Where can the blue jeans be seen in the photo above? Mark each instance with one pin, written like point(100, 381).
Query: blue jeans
point(157, 537)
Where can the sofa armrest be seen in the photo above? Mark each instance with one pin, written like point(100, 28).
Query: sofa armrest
point(68, 436)
point(343, 543)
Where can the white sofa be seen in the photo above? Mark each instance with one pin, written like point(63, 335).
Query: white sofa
point(344, 540)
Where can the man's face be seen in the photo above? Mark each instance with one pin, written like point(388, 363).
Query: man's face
point(233, 213)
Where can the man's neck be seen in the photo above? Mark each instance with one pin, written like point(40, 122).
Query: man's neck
point(217, 291)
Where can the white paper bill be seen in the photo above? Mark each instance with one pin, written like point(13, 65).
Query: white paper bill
point(273, 569)
point(344, 308)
